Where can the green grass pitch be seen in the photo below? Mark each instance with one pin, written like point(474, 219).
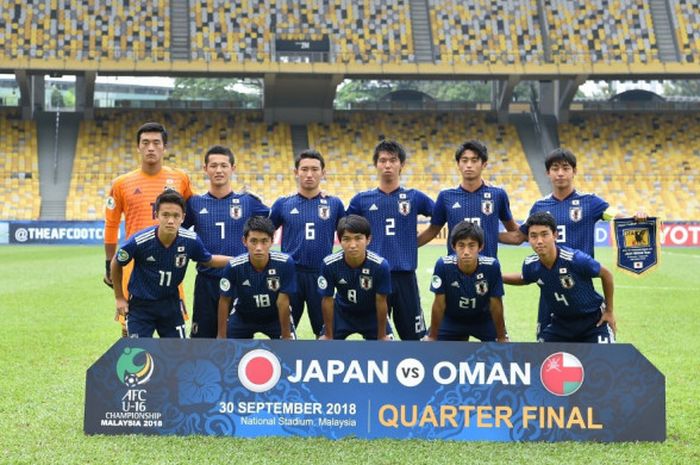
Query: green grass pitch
point(56, 320)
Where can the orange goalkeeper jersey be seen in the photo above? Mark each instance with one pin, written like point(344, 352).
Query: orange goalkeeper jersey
point(134, 194)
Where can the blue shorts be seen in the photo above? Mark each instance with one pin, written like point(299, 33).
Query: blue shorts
point(205, 306)
point(544, 317)
point(578, 329)
point(147, 316)
point(307, 292)
point(364, 324)
point(453, 329)
point(239, 327)
point(404, 306)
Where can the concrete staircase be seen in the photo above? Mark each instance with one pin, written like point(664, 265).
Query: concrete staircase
point(300, 138)
point(422, 35)
point(180, 29)
point(661, 16)
point(57, 139)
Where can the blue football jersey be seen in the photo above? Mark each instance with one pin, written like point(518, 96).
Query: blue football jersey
point(467, 296)
point(256, 291)
point(486, 206)
point(159, 270)
point(576, 217)
point(308, 227)
point(393, 219)
point(357, 287)
point(219, 223)
point(567, 287)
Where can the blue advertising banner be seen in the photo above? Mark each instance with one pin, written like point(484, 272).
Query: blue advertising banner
point(53, 232)
point(420, 390)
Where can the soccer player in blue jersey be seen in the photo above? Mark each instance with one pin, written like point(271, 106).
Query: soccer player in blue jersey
point(360, 281)
point(468, 291)
point(576, 214)
point(473, 200)
point(218, 218)
point(262, 282)
point(308, 219)
point(392, 211)
point(160, 254)
point(565, 277)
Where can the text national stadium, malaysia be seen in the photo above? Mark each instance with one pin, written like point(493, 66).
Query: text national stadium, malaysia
point(333, 389)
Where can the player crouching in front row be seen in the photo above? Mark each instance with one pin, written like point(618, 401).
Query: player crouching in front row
point(261, 281)
point(363, 282)
point(579, 313)
point(468, 291)
point(161, 254)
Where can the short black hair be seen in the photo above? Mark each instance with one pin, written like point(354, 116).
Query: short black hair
point(170, 196)
point(355, 224)
point(152, 127)
point(219, 150)
point(390, 146)
point(260, 224)
point(479, 148)
point(541, 219)
point(311, 154)
point(466, 230)
point(560, 155)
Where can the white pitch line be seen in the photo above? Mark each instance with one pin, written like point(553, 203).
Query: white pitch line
point(676, 254)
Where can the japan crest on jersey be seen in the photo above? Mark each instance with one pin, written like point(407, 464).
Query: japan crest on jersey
point(575, 214)
point(236, 211)
point(366, 282)
point(180, 260)
point(487, 207)
point(273, 283)
point(482, 287)
point(404, 207)
point(324, 212)
point(567, 281)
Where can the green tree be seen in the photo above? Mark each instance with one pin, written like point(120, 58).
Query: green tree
point(218, 89)
point(353, 91)
point(690, 88)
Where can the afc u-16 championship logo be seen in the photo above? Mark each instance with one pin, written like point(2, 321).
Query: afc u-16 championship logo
point(134, 367)
point(562, 374)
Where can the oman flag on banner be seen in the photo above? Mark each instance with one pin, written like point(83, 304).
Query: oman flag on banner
point(561, 374)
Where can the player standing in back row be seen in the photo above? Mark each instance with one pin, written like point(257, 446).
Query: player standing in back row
point(218, 218)
point(134, 194)
point(473, 200)
point(308, 220)
point(392, 212)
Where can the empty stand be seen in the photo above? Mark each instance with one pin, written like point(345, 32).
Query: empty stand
point(642, 161)
point(430, 140)
point(19, 168)
point(85, 29)
point(243, 30)
point(605, 31)
point(482, 31)
point(687, 15)
point(107, 148)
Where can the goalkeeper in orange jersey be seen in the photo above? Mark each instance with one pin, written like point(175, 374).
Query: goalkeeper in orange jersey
point(133, 194)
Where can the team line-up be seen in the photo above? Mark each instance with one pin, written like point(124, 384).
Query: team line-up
point(243, 287)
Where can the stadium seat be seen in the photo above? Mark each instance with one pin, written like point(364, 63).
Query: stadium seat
point(687, 16)
point(646, 161)
point(482, 31)
point(430, 140)
point(601, 31)
point(106, 148)
point(85, 30)
point(19, 168)
point(242, 30)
